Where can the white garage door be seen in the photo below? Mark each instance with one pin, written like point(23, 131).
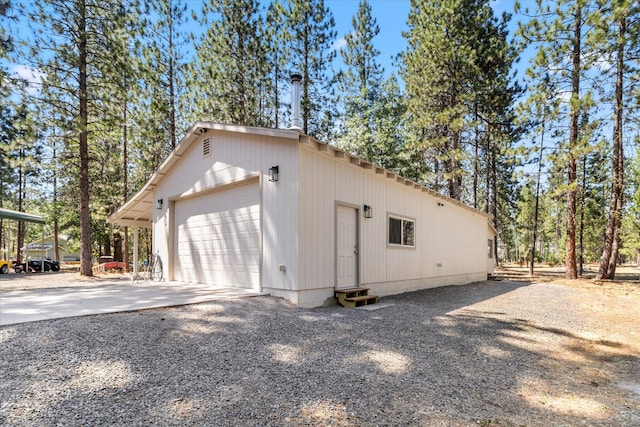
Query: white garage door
point(217, 238)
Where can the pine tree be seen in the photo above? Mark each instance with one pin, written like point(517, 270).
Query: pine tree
point(277, 58)
point(22, 158)
point(558, 34)
point(456, 52)
point(310, 34)
point(7, 128)
point(533, 114)
point(631, 220)
point(164, 67)
point(594, 176)
point(359, 86)
point(231, 65)
point(619, 44)
point(77, 49)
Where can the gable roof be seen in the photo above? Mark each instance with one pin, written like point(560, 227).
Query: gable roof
point(138, 210)
point(48, 243)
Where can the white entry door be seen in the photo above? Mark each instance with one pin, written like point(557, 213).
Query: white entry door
point(347, 247)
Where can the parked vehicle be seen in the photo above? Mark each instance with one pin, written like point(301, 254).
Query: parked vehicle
point(35, 266)
point(19, 267)
point(4, 266)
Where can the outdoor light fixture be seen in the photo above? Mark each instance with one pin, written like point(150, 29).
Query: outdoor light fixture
point(368, 211)
point(274, 173)
point(159, 204)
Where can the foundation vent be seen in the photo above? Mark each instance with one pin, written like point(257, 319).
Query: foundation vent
point(206, 147)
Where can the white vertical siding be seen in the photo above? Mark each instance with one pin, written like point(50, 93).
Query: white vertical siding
point(236, 156)
point(373, 250)
point(298, 216)
point(280, 220)
point(450, 239)
point(317, 220)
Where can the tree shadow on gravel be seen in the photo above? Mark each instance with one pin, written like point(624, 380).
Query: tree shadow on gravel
point(463, 355)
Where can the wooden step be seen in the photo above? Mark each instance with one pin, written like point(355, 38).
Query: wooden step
point(355, 297)
point(353, 292)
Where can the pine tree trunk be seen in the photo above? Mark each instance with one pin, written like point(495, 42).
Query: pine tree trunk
point(488, 175)
point(127, 248)
point(476, 160)
point(107, 246)
point(570, 260)
point(582, 205)
point(21, 228)
point(612, 236)
point(125, 170)
point(56, 244)
point(85, 216)
point(494, 196)
point(613, 262)
point(615, 249)
point(117, 247)
point(172, 94)
point(537, 204)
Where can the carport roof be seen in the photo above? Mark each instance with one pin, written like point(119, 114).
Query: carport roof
point(21, 216)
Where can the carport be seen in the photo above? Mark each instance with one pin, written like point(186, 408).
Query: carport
point(21, 216)
point(136, 213)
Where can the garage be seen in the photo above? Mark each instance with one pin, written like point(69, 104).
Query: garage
point(267, 210)
point(217, 237)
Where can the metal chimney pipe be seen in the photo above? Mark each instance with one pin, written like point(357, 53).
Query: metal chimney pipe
point(295, 101)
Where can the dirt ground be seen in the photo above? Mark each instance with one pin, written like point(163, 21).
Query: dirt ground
point(614, 305)
point(68, 276)
point(517, 351)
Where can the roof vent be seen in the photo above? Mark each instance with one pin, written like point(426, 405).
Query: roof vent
point(295, 101)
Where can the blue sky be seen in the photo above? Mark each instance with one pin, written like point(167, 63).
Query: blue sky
point(391, 16)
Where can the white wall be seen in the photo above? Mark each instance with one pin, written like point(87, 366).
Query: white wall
point(451, 241)
point(238, 155)
point(491, 262)
point(298, 218)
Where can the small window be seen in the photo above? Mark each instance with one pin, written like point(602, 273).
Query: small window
point(490, 248)
point(402, 231)
point(395, 231)
point(206, 147)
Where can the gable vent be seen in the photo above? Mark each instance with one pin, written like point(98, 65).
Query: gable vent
point(206, 147)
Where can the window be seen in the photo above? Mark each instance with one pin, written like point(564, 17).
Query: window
point(490, 248)
point(206, 147)
point(402, 231)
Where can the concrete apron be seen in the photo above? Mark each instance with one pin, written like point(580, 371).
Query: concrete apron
point(55, 303)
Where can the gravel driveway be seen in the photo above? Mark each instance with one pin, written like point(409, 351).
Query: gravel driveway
point(491, 353)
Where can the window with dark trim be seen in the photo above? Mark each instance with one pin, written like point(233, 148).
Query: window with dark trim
point(490, 248)
point(402, 231)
